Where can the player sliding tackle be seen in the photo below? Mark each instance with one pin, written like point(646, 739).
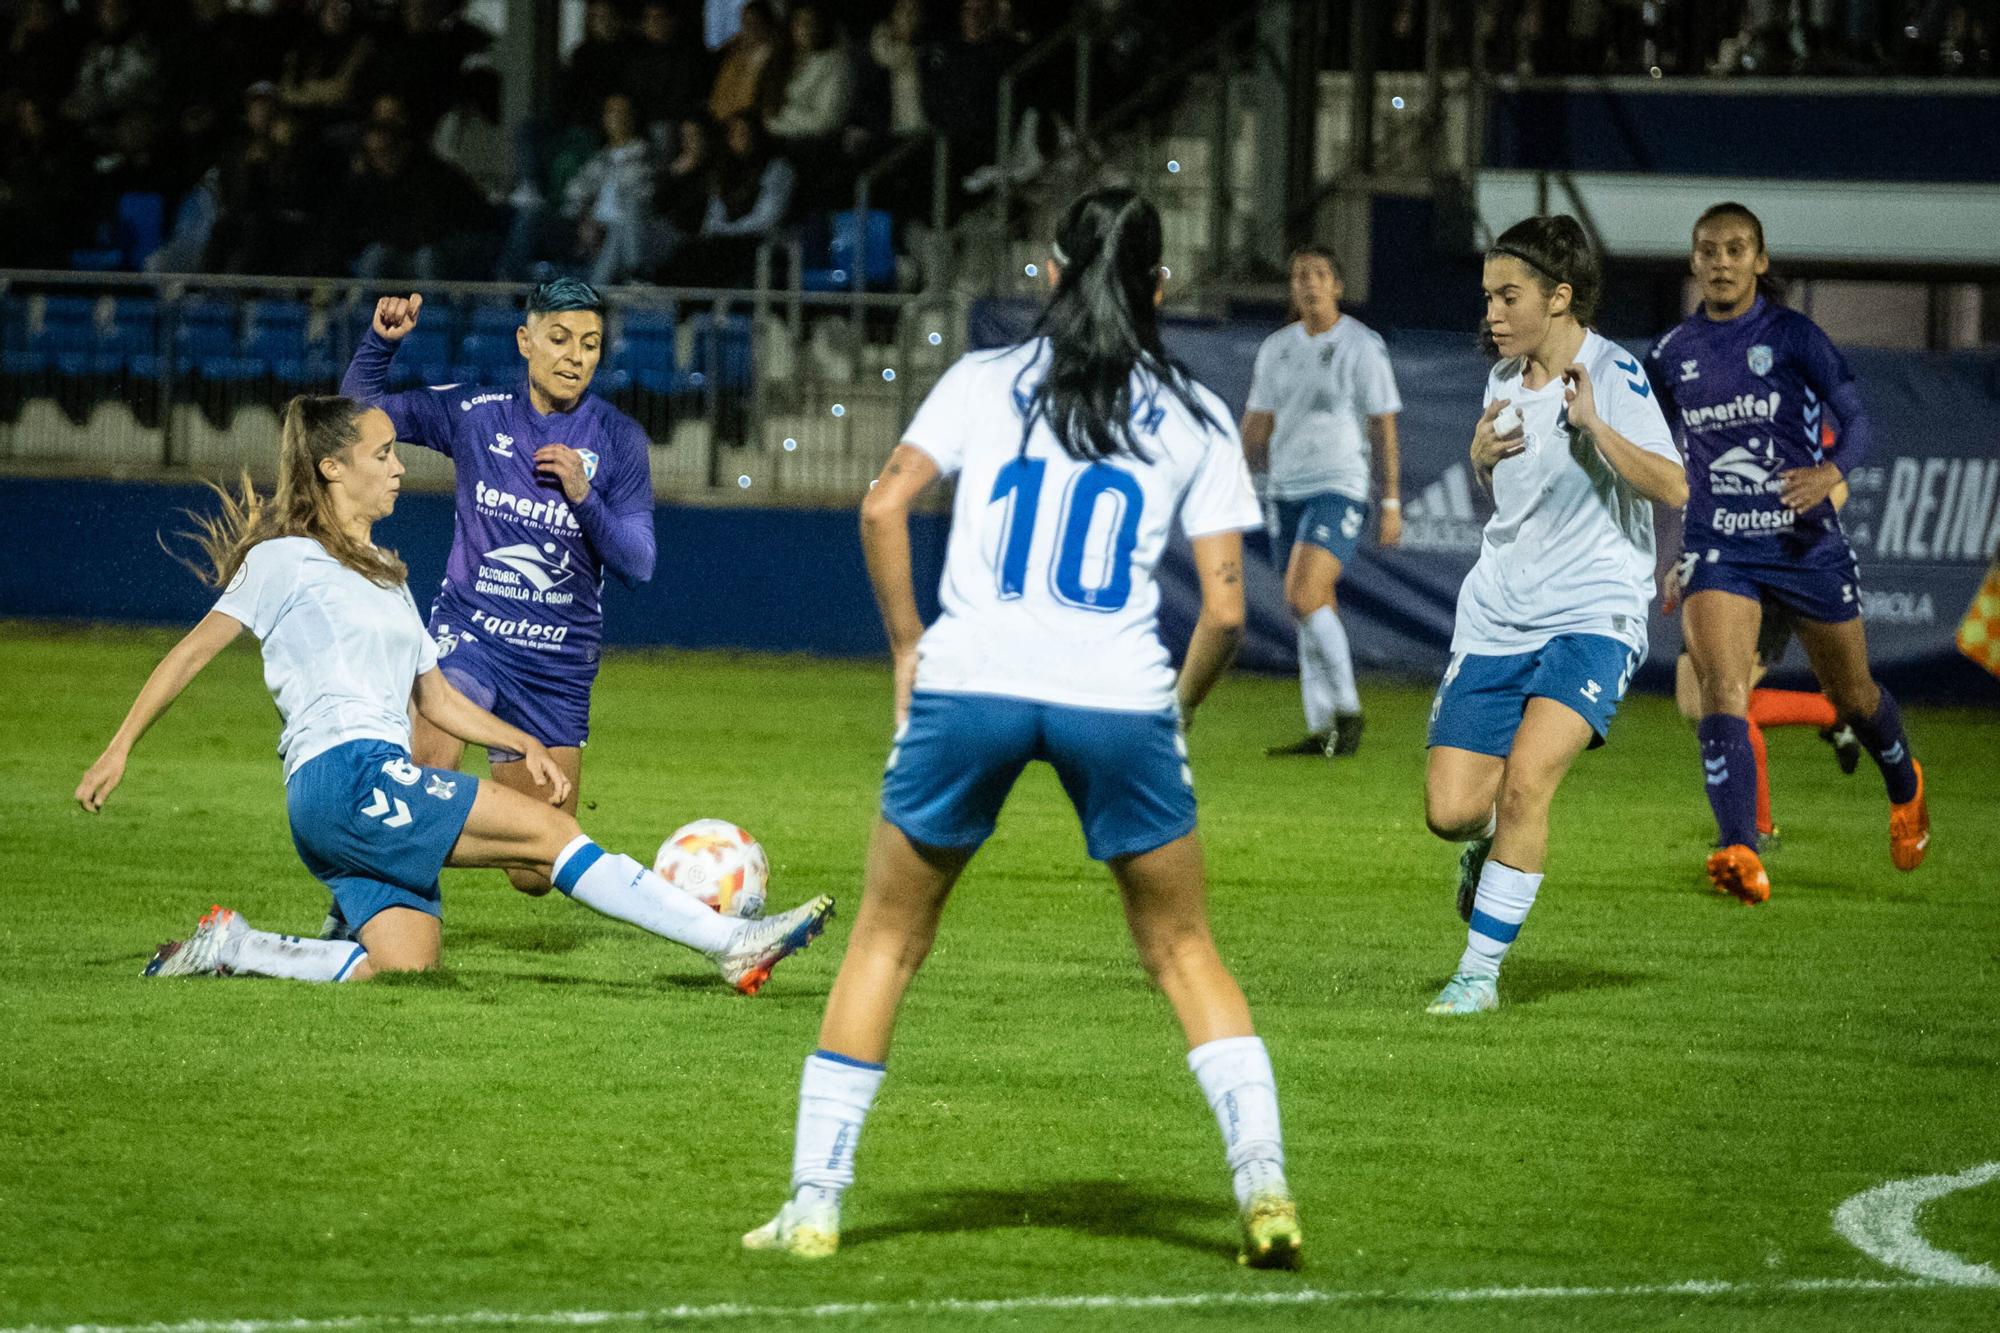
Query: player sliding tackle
point(345, 655)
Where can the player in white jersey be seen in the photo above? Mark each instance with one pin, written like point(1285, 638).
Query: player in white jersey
point(346, 656)
point(1074, 453)
point(1552, 618)
point(1322, 394)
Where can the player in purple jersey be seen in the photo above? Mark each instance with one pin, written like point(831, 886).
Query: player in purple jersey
point(1746, 384)
point(555, 491)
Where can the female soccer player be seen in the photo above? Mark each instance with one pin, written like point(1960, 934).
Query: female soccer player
point(1074, 452)
point(1552, 618)
point(1319, 386)
point(1750, 382)
point(345, 656)
point(555, 490)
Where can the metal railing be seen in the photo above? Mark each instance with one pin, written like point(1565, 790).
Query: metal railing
point(744, 393)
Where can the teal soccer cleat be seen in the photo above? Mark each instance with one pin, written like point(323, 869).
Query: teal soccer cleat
point(1467, 994)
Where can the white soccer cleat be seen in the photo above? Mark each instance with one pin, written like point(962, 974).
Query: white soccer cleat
point(207, 952)
point(1467, 994)
point(806, 1229)
point(758, 946)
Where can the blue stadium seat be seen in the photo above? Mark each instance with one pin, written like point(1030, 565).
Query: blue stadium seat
point(69, 310)
point(89, 365)
point(276, 342)
point(637, 354)
point(57, 336)
point(279, 314)
point(316, 367)
point(867, 241)
point(13, 323)
point(232, 369)
point(496, 355)
point(647, 325)
point(203, 342)
point(721, 347)
point(658, 379)
point(488, 319)
point(23, 361)
point(142, 225)
point(130, 339)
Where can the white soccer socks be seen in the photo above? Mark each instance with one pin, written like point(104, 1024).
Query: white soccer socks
point(1315, 685)
point(264, 954)
point(621, 888)
point(1498, 909)
point(1235, 1075)
point(1330, 636)
point(835, 1093)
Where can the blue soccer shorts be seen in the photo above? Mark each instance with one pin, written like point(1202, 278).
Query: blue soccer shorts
point(1821, 584)
point(954, 763)
point(1329, 521)
point(549, 702)
point(1483, 697)
point(375, 828)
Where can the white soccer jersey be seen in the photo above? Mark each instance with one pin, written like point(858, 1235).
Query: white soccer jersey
point(1320, 392)
point(341, 654)
point(1048, 590)
point(1569, 549)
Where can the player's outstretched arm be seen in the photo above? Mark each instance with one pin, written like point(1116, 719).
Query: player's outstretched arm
point(885, 543)
point(420, 416)
point(1218, 630)
point(449, 711)
point(183, 662)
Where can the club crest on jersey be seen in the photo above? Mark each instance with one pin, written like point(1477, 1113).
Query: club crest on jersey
point(440, 788)
point(446, 640)
point(589, 457)
point(1760, 359)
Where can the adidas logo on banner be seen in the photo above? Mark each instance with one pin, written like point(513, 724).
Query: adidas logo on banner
point(1442, 516)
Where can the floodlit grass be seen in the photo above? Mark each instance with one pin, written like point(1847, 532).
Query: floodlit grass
point(574, 1116)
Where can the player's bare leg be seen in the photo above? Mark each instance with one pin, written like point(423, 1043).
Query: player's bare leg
point(1166, 907)
point(1547, 742)
point(902, 897)
point(398, 939)
point(1839, 656)
point(514, 774)
point(1721, 633)
point(1461, 804)
point(1326, 666)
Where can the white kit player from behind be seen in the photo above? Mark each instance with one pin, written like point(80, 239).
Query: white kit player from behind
point(1076, 452)
point(347, 659)
point(1552, 618)
point(1322, 397)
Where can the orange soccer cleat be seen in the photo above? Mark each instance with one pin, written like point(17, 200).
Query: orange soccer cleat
point(1910, 827)
point(1737, 872)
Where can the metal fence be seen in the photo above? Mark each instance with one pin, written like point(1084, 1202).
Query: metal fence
point(762, 393)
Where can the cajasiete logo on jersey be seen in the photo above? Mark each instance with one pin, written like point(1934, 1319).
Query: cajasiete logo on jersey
point(589, 457)
point(1760, 359)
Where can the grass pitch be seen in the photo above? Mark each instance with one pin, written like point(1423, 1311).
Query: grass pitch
point(574, 1117)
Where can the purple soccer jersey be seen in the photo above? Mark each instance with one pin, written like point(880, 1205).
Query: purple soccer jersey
point(1749, 398)
point(526, 568)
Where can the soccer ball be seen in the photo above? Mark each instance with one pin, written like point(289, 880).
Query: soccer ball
point(718, 863)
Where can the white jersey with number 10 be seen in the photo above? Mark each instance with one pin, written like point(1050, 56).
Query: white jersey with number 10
point(1048, 590)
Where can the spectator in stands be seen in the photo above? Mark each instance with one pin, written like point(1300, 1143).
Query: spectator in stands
point(119, 72)
point(819, 91)
point(754, 66)
point(680, 192)
point(596, 68)
point(44, 47)
point(750, 193)
point(961, 83)
point(607, 227)
point(408, 213)
point(321, 75)
point(266, 191)
point(421, 60)
point(666, 70)
point(42, 178)
point(895, 49)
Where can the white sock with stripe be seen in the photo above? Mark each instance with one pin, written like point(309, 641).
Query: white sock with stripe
point(264, 954)
point(1331, 636)
point(1235, 1075)
point(1501, 905)
point(835, 1093)
point(1315, 688)
point(621, 888)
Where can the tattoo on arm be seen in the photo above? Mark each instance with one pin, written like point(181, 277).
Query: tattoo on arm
point(1230, 572)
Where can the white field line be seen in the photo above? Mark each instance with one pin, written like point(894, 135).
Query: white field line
point(1883, 1223)
point(1220, 1300)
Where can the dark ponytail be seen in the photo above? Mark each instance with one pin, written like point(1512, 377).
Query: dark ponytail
point(1556, 251)
point(1101, 326)
point(1768, 287)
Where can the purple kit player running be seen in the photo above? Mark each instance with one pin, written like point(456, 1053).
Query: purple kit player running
point(555, 490)
point(1746, 383)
